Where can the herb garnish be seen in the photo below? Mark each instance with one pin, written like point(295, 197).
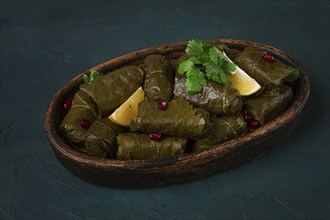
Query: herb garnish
point(206, 62)
point(92, 76)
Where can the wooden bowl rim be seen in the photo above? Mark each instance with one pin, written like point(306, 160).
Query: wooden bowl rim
point(185, 161)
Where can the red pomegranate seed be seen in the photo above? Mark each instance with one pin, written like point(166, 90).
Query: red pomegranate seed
point(162, 105)
point(250, 129)
point(85, 123)
point(243, 112)
point(267, 57)
point(247, 118)
point(254, 123)
point(67, 104)
point(156, 136)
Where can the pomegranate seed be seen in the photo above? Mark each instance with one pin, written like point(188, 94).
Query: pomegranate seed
point(156, 136)
point(254, 123)
point(267, 56)
point(243, 112)
point(85, 123)
point(67, 104)
point(250, 129)
point(247, 118)
point(162, 105)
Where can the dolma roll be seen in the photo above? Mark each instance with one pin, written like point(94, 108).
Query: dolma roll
point(214, 97)
point(179, 119)
point(132, 146)
point(223, 129)
point(264, 72)
point(111, 90)
point(100, 138)
point(159, 78)
point(269, 104)
point(81, 109)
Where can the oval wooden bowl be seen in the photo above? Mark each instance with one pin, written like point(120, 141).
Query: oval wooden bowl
point(142, 174)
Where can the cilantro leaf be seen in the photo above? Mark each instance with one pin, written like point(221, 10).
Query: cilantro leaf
point(219, 67)
point(86, 78)
point(92, 76)
point(206, 62)
point(215, 73)
point(195, 60)
point(185, 66)
point(229, 67)
point(291, 79)
point(294, 75)
point(214, 55)
point(195, 81)
point(196, 48)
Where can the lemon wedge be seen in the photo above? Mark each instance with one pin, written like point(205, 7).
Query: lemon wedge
point(128, 110)
point(241, 81)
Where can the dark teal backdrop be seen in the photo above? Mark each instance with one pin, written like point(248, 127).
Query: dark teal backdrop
point(46, 43)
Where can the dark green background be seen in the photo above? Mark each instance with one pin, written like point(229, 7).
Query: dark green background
point(46, 43)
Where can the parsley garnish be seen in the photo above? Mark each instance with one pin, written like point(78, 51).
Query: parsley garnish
point(294, 75)
point(92, 76)
point(206, 62)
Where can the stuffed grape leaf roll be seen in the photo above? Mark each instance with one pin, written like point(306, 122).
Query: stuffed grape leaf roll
point(111, 90)
point(265, 72)
point(214, 97)
point(223, 129)
point(81, 109)
point(159, 78)
point(100, 138)
point(132, 146)
point(179, 119)
point(269, 104)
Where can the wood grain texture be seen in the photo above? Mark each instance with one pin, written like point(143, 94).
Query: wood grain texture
point(142, 174)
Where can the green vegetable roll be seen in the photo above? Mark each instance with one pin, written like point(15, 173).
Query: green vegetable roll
point(265, 72)
point(179, 119)
point(81, 109)
point(111, 90)
point(223, 129)
point(214, 97)
point(100, 139)
point(132, 146)
point(159, 78)
point(269, 104)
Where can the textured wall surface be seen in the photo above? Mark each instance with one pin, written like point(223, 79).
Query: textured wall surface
point(46, 43)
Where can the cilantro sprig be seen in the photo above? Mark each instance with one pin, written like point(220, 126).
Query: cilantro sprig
point(92, 76)
point(205, 62)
